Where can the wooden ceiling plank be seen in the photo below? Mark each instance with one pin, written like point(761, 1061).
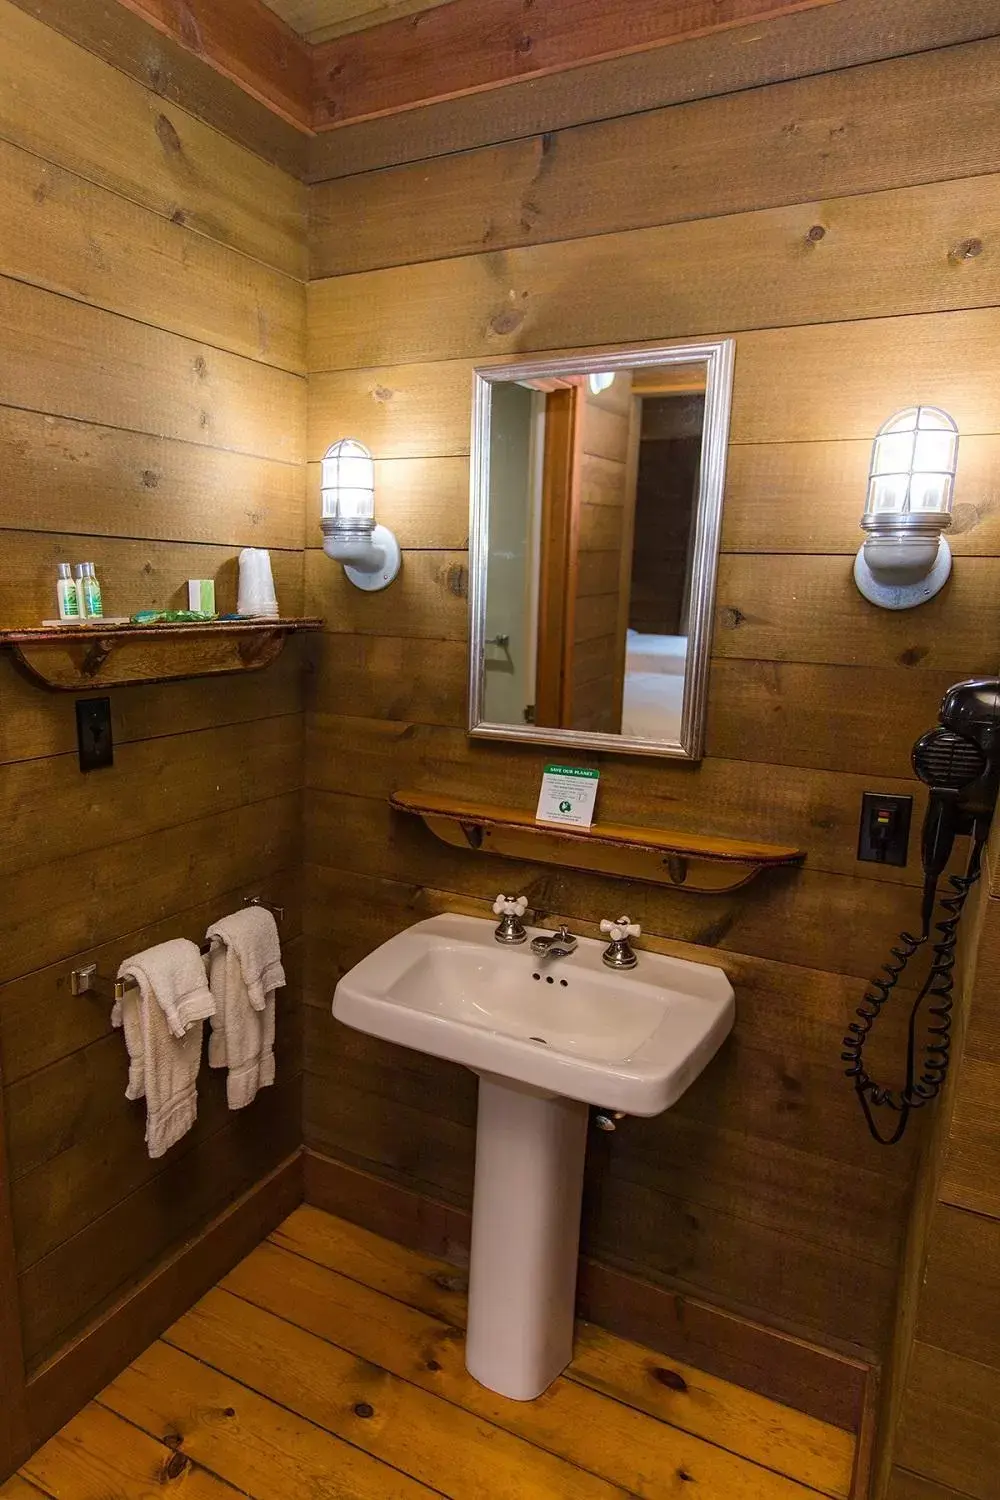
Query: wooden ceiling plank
point(812, 42)
point(245, 42)
point(322, 20)
point(469, 46)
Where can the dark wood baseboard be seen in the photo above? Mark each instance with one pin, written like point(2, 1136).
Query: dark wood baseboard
point(821, 1382)
point(63, 1385)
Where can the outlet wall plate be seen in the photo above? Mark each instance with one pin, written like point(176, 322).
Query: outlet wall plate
point(884, 832)
point(93, 733)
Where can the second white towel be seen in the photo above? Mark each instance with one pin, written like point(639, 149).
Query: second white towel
point(244, 970)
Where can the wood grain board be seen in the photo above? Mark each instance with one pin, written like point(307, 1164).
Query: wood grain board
point(143, 147)
point(122, 38)
point(152, 402)
point(330, 1355)
point(70, 236)
point(856, 131)
point(248, 44)
point(319, 20)
point(909, 241)
point(467, 46)
point(806, 43)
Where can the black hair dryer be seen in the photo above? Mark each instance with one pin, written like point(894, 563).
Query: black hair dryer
point(960, 762)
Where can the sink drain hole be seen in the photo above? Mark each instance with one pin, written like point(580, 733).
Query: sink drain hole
point(538, 1039)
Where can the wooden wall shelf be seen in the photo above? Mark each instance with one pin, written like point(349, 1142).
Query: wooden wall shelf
point(700, 863)
point(78, 658)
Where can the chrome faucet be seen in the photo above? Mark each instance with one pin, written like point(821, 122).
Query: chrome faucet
point(510, 910)
point(619, 953)
point(558, 945)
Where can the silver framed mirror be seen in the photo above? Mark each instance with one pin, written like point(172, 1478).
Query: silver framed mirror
point(596, 512)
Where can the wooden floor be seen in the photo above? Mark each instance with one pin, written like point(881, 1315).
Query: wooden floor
point(329, 1364)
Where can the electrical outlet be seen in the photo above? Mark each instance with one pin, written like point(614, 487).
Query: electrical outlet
point(93, 733)
point(884, 836)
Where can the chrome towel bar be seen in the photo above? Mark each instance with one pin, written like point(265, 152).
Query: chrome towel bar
point(87, 981)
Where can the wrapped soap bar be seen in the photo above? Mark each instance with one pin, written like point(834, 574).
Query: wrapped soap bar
point(201, 595)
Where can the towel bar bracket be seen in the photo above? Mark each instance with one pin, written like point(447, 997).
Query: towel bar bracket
point(277, 912)
point(83, 981)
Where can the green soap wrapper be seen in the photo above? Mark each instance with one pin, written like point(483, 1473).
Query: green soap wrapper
point(170, 617)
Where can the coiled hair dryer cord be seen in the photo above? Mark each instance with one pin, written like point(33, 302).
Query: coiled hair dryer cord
point(919, 1089)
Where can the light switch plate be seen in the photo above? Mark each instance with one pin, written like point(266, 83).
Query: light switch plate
point(93, 733)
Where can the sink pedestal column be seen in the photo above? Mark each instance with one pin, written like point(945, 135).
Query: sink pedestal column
point(530, 1149)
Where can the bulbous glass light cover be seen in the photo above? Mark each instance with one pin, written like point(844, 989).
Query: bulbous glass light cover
point(914, 458)
point(369, 553)
point(348, 482)
point(905, 559)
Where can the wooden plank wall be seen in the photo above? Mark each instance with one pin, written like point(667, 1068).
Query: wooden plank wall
point(947, 1438)
point(152, 404)
point(843, 228)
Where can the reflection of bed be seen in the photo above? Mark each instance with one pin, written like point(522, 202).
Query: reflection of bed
point(654, 685)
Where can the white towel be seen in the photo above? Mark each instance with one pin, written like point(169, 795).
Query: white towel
point(244, 970)
point(162, 1021)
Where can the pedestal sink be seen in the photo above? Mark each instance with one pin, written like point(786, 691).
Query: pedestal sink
point(547, 1037)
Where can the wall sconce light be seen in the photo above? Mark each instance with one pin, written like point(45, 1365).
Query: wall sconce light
point(370, 553)
point(601, 381)
point(905, 560)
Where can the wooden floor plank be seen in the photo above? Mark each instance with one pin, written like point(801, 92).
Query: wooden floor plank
point(440, 1444)
point(98, 1455)
point(812, 1452)
point(262, 1449)
point(18, 1488)
point(621, 1444)
point(330, 1363)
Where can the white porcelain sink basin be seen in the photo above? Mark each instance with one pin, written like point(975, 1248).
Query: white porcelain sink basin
point(628, 1041)
point(547, 1036)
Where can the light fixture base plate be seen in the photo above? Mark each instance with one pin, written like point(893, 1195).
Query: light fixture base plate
point(888, 595)
point(385, 540)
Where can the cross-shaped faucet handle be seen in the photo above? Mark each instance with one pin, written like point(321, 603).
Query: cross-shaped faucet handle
point(623, 928)
point(510, 906)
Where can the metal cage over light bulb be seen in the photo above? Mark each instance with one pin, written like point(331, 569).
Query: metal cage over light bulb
point(905, 560)
point(369, 552)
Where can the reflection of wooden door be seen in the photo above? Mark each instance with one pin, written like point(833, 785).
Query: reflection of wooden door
point(588, 516)
point(600, 564)
point(560, 485)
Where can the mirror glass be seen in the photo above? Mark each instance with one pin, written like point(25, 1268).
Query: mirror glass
point(596, 507)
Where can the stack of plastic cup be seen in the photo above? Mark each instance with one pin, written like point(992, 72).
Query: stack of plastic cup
point(256, 595)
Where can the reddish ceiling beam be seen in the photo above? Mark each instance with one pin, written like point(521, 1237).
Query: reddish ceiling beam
point(245, 41)
point(468, 46)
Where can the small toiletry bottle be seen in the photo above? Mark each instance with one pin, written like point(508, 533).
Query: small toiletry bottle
point(66, 593)
point(80, 580)
point(92, 591)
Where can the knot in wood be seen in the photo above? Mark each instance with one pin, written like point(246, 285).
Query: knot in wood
point(967, 249)
point(173, 1468)
point(166, 134)
point(816, 233)
point(506, 321)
